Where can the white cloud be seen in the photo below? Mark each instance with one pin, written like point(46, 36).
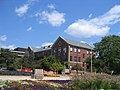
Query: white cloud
point(51, 6)
point(29, 29)
point(83, 42)
point(98, 26)
point(90, 15)
point(22, 10)
point(46, 44)
point(40, 22)
point(32, 1)
point(118, 33)
point(3, 37)
point(7, 47)
point(37, 47)
point(54, 18)
point(92, 43)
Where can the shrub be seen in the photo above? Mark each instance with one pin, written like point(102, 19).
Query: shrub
point(52, 75)
point(8, 72)
point(95, 82)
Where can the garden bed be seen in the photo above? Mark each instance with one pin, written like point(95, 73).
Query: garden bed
point(78, 82)
point(35, 85)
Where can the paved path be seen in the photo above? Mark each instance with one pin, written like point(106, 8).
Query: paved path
point(29, 78)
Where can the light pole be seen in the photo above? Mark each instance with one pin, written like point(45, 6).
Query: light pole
point(84, 67)
point(21, 67)
point(0, 50)
point(91, 59)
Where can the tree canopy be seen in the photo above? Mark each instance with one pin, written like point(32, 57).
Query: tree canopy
point(7, 59)
point(51, 63)
point(109, 53)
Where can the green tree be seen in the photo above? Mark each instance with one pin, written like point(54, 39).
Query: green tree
point(7, 59)
point(109, 53)
point(31, 59)
point(28, 60)
point(98, 65)
point(36, 64)
point(24, 61)
point(57, 66)
point(51, 63)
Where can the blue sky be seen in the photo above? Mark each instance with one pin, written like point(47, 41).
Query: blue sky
point(36, 23)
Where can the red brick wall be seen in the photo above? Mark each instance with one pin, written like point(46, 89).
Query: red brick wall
point(76, 54)
point(82, 51)
point(60, 44)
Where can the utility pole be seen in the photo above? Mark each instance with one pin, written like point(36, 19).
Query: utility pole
point(0, 50)
point(91, 59)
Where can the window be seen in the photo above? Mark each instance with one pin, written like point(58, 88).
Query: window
point(58, 54)
point(70, 49)
point(75, 50)
point(59, 50)
point(49, 46)
point(54, 51)
point(75, 59)
point(78, 50)
point(70, 58)
point(87, 52)
point(91, 52)
point(83, 55)
point(43, 53)
point(64, 58)
point(59, 43)
point(64, 50)
point(78, 59)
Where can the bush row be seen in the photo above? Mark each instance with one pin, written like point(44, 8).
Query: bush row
point(8, 72)
point(95, 82)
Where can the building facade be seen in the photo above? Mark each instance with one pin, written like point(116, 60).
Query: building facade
point(20, 52)
point(41, 52)
point(71, 51)
point(64, 50)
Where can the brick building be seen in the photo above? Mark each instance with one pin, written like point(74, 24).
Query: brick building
point(41, 52)
point(64, 50)
point(71, 51)
point(20, 52)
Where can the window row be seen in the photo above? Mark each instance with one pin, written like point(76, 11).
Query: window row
point(75, 59)
point(75, 50)
point(78, 50)
point(60, 50)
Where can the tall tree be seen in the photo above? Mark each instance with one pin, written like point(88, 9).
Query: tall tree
point(7, 59)
point(27, 60)
point(51, 63)
point(109, 52)
point(57, 66)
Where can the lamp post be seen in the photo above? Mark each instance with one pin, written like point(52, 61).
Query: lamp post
point(84, 67)
point(0, 50)
point(21, 67)
point(91, 59)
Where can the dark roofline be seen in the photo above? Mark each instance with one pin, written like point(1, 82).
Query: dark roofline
point(88, 46)
point(58, 39)
point(82, 47)
point(20, 49)
point(43, 50)
point(40, 49)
